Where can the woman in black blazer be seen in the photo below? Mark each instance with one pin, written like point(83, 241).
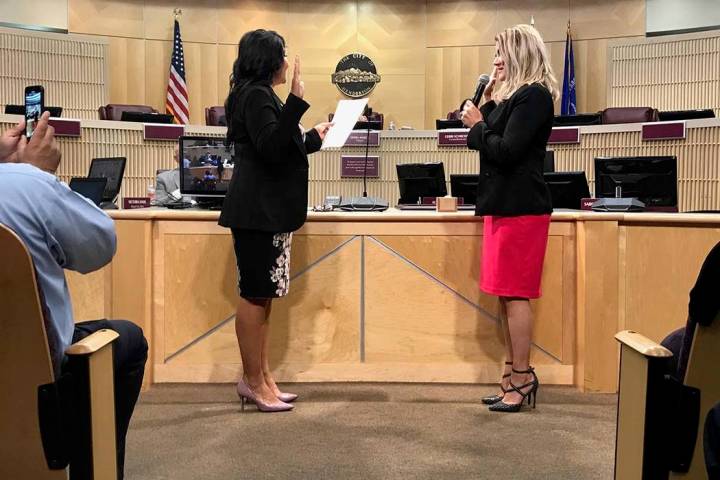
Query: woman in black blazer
point(266, 199)
point(511, 130)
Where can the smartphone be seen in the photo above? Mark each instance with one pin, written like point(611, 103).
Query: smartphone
point(34, 106)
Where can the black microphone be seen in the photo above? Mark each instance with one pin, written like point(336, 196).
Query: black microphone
point(483, 81)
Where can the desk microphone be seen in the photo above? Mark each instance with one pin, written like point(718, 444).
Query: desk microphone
point(483, 81)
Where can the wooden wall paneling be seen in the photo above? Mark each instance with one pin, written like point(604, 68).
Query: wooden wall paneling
point(556, 51)
point(461, 23)
point(597, 306)
point(613, 18)
point(157, 68)
point(548, 310)
point(235, 17)
point(662, 265)
point(106, 17)
point(126, 64)
point(226, 56)
point(401, 99)
point(590, 73)
point(322, 96)
point(201, 75)
point(551, 16)
point(198, 22)
point(132, 281)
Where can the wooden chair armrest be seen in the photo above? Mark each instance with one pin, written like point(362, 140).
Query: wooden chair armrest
point(642, 344)
point(92, 343)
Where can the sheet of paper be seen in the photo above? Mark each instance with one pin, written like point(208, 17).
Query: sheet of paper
point(346, 114)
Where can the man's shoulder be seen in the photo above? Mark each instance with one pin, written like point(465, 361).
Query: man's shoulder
point(19, 174)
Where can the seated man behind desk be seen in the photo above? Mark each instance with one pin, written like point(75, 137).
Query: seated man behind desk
point(62, 230)
point(167, 184)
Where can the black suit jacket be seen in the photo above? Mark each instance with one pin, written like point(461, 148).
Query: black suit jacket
point(512, 142)
point(269, 187)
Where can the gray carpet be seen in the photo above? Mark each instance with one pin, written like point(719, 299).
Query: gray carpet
point(370, 431)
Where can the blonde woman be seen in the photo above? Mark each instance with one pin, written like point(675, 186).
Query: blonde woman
point(511, 129)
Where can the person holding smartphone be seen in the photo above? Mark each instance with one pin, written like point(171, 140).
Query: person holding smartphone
point(267, 198)
point(34, 106)
point(63, 230)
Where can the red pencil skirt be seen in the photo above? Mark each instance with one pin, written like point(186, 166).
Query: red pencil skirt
point(513, 253)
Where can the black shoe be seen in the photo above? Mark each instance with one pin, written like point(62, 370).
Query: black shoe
point(496, 398)
point(530, 395)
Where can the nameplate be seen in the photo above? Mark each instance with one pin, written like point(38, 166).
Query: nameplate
point(564, 135)
point(450, 138)
point(130, 203)
point(358, 138)
point(663, 131)
point(65, 127)
point(159, 131)
point(353, 166)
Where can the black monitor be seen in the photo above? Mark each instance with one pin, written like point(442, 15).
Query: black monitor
point(144, 117)
point(207, 166)
point(567, 188)
point(20, 110)
point(677, 115)
point(418, 180)
point(465, 186)
point(652, 180)
point(92, 188)
point(443, 124)
point(368, 125)
point(549, 163)
point(111, 168)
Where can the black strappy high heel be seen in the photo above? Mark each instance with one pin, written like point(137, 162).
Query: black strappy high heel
point(530, 395)
point(492, 399)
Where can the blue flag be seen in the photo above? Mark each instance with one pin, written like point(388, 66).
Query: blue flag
point(569, 103)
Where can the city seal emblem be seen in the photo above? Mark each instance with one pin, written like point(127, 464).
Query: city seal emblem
point(355, 75)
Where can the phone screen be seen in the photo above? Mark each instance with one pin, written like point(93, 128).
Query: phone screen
point(33, 108)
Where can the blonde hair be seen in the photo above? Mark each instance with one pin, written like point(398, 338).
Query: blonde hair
point(526, 61)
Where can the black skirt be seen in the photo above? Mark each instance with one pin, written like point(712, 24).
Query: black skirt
point(263, 262)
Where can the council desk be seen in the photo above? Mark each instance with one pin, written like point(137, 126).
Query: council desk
point(394, 296)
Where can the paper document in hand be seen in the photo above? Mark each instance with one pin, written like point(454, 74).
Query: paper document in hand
point(346, 115)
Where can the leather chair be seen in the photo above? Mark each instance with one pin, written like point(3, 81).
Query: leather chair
point(32, 427)
point(454, 115)
point(629, 115)
point(661, 422)
point(215, 116)
point(114, 111)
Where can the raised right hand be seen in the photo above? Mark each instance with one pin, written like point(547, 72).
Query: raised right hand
point(42, 149)
point(297, 87)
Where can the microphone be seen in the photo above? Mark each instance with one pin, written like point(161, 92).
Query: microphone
point(483, 81)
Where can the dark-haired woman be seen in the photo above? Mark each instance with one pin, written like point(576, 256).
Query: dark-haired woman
point(266, 199)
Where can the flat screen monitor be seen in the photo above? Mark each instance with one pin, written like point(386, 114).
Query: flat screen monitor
point(145, 117)
point(549, 163)
point(113, 170)
point(207, 166)
point(20, 110)
point(92, 188)
point(418, 180)
point(443, 124)
point(465, 186)
point(567, 188)
point(652, 180)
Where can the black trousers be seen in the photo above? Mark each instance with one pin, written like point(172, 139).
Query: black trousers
point(129, 357)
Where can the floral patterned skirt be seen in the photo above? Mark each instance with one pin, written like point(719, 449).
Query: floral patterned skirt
point(263, 263)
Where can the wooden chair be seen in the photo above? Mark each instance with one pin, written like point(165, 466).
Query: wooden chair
point(660, 425)
point(32, 439)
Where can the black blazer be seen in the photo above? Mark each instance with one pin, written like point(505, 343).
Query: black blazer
point(512, 142)
point(269, 187)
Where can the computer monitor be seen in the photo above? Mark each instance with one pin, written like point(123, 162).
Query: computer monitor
point(20, 110)
point(549, 163)
point(652, 180)
point(92, 188)
point(207, 166)
point(443, 124)
point(567, 188)
point(418, 180)
point(112, 169)
point(465, 186)
point(145, 117)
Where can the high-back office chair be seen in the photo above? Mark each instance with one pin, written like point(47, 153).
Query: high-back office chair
point(661, 419)
point(33, 444)
point(215, 116)
point(628, 115)
point(114, 111)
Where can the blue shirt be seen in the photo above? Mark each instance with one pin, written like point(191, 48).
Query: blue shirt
point(61, 229)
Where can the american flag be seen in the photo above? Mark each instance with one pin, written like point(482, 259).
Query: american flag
point(177, 103)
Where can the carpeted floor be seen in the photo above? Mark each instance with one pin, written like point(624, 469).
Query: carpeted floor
point(370, 431)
